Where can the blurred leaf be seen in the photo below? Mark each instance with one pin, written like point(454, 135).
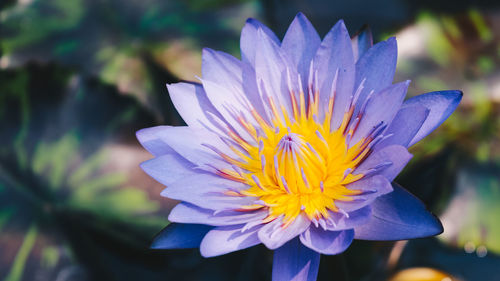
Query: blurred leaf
point(55, 158)
point(90, 189)
point(430, 84)
point(50, 257)
point(471, 218)
point(19, 263)
point(127, 201)
point(484, 32)
point(111, 39)
point(439, 47)
point(486, 64)
point(87, 168)
point(66, 168)
point(5, 215)
point(25, 19)
point(451, 27)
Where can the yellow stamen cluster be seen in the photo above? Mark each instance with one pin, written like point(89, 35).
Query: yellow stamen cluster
point(299, 165)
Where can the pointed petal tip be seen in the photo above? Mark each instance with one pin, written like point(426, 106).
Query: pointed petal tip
point(300, 15)
point(145, 134)
point(207, 55)
point(163, 193)
point(399, 215)
point(143, 165)
point(158, 244)
point(459, 94)
point(438, 226)
point(180, 236)
point(169, 87)
point(254, 22)
point(155, 245)
point(341, 24)
point(207, 253)
point(138, 134)
point(441, 105)
point(205, 50)
point(226, 239)
point(432, 225)
point(301, 18)
point(455, 96)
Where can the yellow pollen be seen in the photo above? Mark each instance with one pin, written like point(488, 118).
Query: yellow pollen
point(299, 165)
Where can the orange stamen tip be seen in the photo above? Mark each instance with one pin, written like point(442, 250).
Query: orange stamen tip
point(233, 193)
point(269, 219)
point(249, 207)
point(287, 223)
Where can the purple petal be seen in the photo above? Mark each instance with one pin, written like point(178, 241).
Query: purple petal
point(188, 213)
point(300, 44)
point(149, 140)
point(230, 104)
point(398, 216)
point(249, 37)
point(226, 72)
point(222, 69)
point(404, 126)
point(168, 168)
point(222, 80)
point(253, 93)
point(191, 101)
point(207, 191)
point(441, 104)
point(295, 262)
point(225, 239)
point(380, 108)
point(271, 71)
point(273, 235)
point(376, 67)
point(371, 188)
point(189, 143)
point(396, 154)
point(353, 219)
point(180, 236)
point(327, 242)
point(335, 56)
point(361, 42)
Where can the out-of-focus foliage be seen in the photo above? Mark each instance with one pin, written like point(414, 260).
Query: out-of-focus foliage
point(471, 218)
point(461, 52)
point(78, 78)
point(57, 168)
point(122, 42)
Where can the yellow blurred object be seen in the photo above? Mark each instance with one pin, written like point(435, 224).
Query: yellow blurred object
point(422, 274)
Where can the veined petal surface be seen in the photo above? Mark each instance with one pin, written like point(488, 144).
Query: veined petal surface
point(295, 262)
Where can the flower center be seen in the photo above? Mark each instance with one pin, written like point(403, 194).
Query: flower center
point(290, 158)
point(303, 169)
point(297, 164)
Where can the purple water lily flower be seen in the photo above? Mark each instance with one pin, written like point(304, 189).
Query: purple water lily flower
point(294, 146)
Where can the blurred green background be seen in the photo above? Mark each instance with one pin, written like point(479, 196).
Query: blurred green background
point(79, 77)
